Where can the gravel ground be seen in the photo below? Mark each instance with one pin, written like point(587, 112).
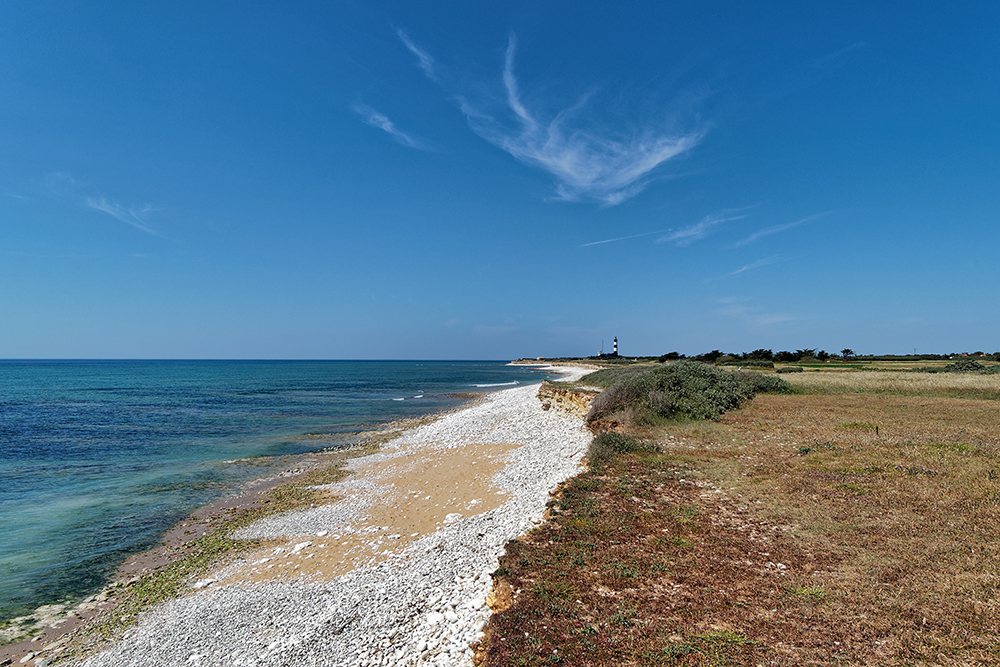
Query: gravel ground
point(425, 605)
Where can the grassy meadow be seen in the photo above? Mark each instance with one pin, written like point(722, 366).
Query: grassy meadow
point(852, 521)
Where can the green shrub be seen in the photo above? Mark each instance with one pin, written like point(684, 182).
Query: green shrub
point(610, 444)
point(964, 366)
point(961, 366)
point(763, 384)
point(685, 390)
point(750, 363)
point(790, 369)
point(608, 376)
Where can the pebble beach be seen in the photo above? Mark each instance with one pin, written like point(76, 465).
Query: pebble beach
point(395, 570)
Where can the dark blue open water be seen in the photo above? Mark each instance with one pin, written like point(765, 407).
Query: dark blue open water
point(99, 458)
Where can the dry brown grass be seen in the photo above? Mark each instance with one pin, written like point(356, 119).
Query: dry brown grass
point(912, 510)
point(958, 385)
point(878, 494)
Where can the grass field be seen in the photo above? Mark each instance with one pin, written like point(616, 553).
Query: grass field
point(956, 385)
point(856, 521)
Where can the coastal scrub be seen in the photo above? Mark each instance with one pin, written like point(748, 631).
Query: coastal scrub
point(645, 396)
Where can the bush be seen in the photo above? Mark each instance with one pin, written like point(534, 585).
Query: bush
point(608, 376)
point(790, 369)
point(609, 445)
point(685, 390)
point(961, 366)
point(964, 366)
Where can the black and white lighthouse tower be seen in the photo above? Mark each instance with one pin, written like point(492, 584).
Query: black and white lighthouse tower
point(616, 346)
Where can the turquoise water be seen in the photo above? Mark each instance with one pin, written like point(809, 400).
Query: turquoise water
point(99, 458)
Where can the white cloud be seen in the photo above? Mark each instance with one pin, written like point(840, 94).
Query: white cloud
point(829, 58)
point(751, 315)
point(620, 238)
point(130, 215)
point(755, 265)
point(63, 186)
point(593, 161)
point(696, 232)
point(382, 122)
point(424, 61)
point(588, 162)
point(775, 230)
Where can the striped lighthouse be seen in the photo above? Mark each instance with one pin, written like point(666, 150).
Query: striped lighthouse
point(616, 346)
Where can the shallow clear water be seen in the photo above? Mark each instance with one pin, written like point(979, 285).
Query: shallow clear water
point(99, 458)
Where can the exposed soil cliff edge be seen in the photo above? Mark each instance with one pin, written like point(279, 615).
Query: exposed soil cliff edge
point(566, 400)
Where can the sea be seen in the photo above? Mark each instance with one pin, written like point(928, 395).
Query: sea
point(99, 458)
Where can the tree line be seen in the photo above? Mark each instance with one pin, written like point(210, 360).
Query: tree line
point(813, 354)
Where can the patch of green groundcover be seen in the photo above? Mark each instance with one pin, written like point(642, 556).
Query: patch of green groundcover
point(608, 445)
point(647, 395)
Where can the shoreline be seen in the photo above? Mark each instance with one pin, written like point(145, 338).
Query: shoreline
point(199, 522)
point(424, 604)
point(54, 621)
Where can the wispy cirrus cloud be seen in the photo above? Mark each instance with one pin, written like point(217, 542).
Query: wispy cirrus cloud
point(382, 122)
point(590, 160)
point(686, 235)
point(828, 59)
point(776, 229)
point(424, 60)
point(751, 315)
point(755, 265)
point(135, 216)
point(621, 238)
point(697, 231)
point(65, 187)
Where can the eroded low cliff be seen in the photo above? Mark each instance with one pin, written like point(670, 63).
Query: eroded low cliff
point(570, 400)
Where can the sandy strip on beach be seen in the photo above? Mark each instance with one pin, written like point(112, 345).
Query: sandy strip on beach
point(417, 493)
point(396, 569)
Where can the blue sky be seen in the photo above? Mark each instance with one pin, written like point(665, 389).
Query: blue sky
point(496, 180)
